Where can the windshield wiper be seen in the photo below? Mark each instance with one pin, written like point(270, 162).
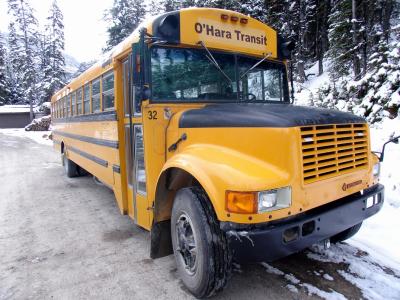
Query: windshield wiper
point(213, 61)
point(256, 64)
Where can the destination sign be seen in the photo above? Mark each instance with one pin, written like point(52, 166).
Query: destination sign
point(252, 37)
point(214, 31)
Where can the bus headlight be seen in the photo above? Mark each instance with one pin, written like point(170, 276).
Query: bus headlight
point(376, 169)
point(274, 199)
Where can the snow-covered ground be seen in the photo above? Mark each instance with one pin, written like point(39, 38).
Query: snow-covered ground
point(41, 137)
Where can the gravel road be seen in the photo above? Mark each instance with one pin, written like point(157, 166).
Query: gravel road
point(64, 238)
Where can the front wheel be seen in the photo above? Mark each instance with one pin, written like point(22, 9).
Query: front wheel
point(200, 247)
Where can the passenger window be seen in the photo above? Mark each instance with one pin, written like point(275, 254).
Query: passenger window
point(68, 104)
point(86, 99)
point(108, 91)
point(140, 170)
point(73, 103)
point(126, 87)
point(63, 107)
point(79, 101)
point(96, 95)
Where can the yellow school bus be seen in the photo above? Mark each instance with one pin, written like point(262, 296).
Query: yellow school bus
point(189, 121)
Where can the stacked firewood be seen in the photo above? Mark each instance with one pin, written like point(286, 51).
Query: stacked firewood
point(40, 124)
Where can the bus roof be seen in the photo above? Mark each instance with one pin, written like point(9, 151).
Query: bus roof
point(217, 28)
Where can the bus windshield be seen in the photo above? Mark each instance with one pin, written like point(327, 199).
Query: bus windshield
point(189, 75)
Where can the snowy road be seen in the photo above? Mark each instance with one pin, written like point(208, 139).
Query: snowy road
point(64, 238)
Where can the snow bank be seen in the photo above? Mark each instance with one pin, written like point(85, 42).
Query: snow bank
point(41, 137)
point(379, 235)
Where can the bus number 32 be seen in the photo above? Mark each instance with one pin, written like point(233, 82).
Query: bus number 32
point(152, 114)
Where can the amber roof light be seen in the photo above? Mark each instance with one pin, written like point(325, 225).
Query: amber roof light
point(224, 17)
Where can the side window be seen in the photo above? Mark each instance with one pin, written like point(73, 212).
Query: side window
point(126, 87)
point(68, 103)
point(79, 101)
point(140, 170)
point(86, 99)
point(96, 95)
point(73, 103)
point(108, 91)
point(63, 107)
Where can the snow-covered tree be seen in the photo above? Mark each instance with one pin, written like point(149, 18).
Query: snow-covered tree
point(125, 16)
point(339, 37)
point(14, 66)
point(4, 88)
point(27, 32)
point(52, 59)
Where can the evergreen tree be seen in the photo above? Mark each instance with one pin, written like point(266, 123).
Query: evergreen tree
point(14, 66)
point(26, 26)
point(156, 7)
point(339, 37)
point(125, 16)
point(4, 89)
point(53, 62)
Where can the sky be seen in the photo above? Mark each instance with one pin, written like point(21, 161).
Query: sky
point(85, 29)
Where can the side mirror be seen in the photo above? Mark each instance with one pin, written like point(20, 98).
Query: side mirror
point(394, 140)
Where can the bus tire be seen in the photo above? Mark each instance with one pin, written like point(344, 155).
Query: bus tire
point(71, 168)
point(346, 234)
point(200, 247)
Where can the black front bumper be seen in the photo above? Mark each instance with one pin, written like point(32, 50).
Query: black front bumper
point(271, 241)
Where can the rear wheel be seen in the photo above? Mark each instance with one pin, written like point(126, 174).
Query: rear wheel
point(71, 168)
point(346, 234)
point(200, 247)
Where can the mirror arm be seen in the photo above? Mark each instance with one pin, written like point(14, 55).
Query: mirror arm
point(393, 140)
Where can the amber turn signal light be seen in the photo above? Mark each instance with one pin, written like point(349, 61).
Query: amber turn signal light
point(241, 202)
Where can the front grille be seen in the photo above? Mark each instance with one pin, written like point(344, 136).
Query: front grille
point(333, 150)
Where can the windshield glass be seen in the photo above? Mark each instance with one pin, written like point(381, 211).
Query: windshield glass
point(188, 75)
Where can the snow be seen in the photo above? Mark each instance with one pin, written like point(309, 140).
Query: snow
point(333, 295)
point(292, 288)
point(379, 234)
point(374, 281)
point(327, 277)
point(303, 91)
point(294, 283)
point(14, 109)
point(272, 270)
point(41, 137)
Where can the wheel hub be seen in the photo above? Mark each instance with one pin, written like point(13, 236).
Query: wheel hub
point(186, 243)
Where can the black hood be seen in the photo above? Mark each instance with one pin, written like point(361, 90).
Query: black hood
point(262, 115)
